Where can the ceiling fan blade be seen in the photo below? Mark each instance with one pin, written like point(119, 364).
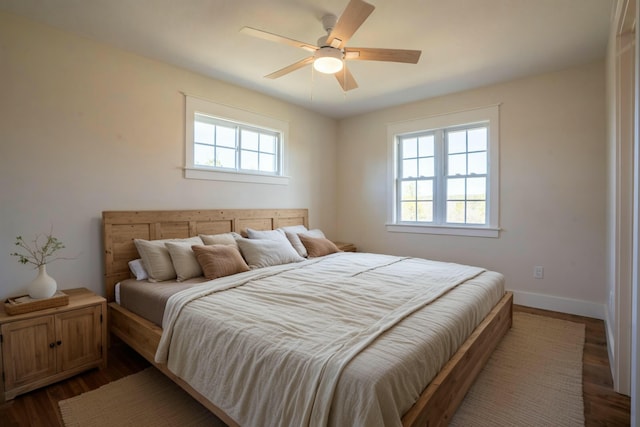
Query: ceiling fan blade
point(346, 80)
point(278, 39)
point(374, 54)
point(290, 68)
point(356, 12)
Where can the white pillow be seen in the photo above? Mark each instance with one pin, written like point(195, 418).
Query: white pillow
point(277, 234)
point(156, 259)
point(220, 239)
point(292, 235)
point(184, 260)
point(137, 269)
point(264, 252)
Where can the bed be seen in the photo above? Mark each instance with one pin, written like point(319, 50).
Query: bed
point(433, 405)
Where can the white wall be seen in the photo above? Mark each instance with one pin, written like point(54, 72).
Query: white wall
point(552, 189)
point(86, 128)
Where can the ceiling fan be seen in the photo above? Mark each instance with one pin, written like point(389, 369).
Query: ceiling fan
point(330, 53)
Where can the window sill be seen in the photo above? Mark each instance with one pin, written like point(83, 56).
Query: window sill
point(211, 175)
point(447, 230)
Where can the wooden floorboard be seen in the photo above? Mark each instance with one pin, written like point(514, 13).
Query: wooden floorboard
point(602, 406)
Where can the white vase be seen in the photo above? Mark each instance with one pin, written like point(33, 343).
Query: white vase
point(43, 286)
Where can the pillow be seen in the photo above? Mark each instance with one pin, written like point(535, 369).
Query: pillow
point(292, 235)
point(264, 252)
point(296, 243)
point(137, 269)
point(220, 239)
point(318, 246)
point(219, 260)
point(266, 234)
point(184, 260)
point(156, 259)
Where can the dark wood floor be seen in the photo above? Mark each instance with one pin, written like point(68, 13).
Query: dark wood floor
point(602, 406)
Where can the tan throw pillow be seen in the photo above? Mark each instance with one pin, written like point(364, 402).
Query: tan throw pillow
point(318, 246)
point(219, 260)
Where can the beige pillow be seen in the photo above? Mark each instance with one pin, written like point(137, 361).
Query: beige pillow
point(292, 235)
point(318, 246)
point(156, 259)
point(219, 260)
point(265, 252)
point(184, 260)
point(220, 239)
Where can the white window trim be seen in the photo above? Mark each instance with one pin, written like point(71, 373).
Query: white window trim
point(197, 105)
point(489, 114)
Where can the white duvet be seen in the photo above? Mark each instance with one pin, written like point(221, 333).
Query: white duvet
point(348, 339)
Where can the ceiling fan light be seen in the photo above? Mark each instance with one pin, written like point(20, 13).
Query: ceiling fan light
point(328, 60)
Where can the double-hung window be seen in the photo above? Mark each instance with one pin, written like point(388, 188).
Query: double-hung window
point(224, 143)
point(445, 174)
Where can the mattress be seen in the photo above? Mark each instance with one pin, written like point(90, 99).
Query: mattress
point(235, 321)
point(148, 299)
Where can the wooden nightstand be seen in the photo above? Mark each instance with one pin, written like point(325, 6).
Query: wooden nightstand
point(45, 346)
point(345, 247)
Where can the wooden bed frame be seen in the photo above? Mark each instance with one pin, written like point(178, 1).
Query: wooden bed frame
point(437, 403)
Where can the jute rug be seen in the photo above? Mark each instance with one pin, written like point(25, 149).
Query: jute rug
point(534, 378)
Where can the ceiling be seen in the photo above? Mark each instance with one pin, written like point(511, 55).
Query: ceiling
point(464, 43)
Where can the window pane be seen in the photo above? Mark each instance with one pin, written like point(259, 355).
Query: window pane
point(225, 136)
point(249, 160)
point(478, 163)
point(457, 164)
point(267, 162)
point(425, 211)
point(455, 212)
point(410, 168)
point(425, 190)
point(476, 189)
point(425, 167)
point(457, 141)
point(203, 155)
point(249, 140)
point(226, 157)
point(203, 132)
point(268, 143)
point(408, 190)
point(409, 148)
point(455, 189)
point(478, 139)
point(408, 211)
point(476, 212)
point(425, 146)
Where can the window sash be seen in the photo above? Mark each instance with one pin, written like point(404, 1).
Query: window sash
point(241, 150)
point(411, 210)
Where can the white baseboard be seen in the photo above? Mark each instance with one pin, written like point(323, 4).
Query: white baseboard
point(563, 305)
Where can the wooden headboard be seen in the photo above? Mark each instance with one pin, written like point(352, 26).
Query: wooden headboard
point(121, 227)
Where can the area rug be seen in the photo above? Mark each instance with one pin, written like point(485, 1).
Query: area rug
point(145, 399)
point(534, 378)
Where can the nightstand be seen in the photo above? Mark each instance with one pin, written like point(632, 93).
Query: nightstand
point(49, 345)
point(345, 247)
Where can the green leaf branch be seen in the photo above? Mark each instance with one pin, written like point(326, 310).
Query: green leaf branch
point(40, 251)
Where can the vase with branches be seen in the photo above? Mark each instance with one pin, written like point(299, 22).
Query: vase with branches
point(40, 252)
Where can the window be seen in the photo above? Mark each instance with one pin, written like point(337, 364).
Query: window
point(228, 144)
point(445, 174)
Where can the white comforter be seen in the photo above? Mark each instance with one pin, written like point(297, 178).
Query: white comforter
point(269, 346)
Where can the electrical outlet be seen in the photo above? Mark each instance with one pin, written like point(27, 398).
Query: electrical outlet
point(538, 272)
